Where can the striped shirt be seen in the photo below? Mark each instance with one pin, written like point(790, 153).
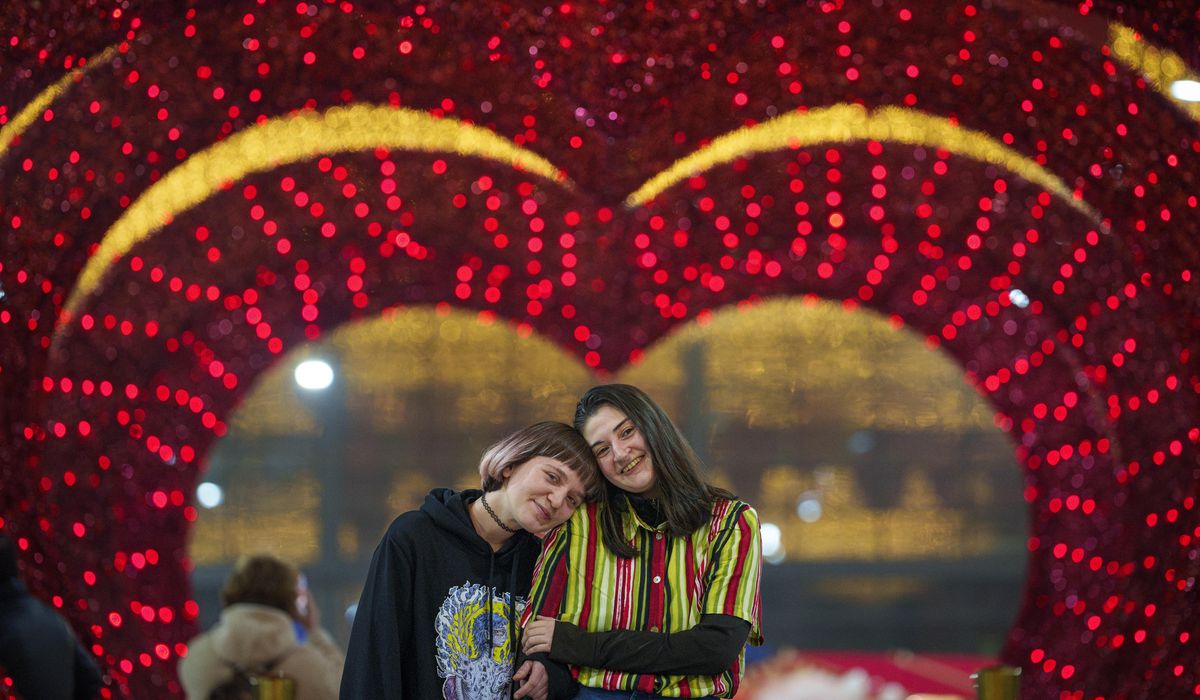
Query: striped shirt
point(666, 587)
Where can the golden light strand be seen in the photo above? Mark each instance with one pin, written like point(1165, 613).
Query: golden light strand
point(27, 116)
point(1160, 67)
point(290, 139)
point(844, 123)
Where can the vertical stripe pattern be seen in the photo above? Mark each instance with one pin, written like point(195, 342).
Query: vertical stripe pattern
point(666, 587)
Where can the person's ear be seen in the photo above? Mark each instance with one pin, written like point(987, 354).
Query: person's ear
point(506, 472)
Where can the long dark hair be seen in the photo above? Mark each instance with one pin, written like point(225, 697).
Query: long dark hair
point(685, 500)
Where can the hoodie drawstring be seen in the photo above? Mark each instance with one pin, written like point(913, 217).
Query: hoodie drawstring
point(512, 612)
point(513, 642)
point(490, 590)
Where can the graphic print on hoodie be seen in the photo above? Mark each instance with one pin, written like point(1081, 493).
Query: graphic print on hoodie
point(474, 646)
point(434, 619)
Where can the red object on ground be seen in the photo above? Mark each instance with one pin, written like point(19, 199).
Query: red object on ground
point(917, 672)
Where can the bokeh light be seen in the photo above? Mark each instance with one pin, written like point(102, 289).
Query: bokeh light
point(209, 495)
point(772, 543)
point(313, 375)
point(1186, 90)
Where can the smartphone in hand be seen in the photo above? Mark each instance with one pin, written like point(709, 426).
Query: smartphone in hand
point(303, 614)
point(302, 596)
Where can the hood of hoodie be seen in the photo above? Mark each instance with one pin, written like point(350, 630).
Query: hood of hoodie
point(253, 635)
point(448, 510)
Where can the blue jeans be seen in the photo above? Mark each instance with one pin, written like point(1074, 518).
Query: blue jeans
point(586, 693)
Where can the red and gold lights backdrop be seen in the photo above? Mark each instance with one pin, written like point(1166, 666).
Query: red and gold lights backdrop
point(189, 192)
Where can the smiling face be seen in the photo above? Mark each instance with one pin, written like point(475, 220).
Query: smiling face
point(538, 494)
point(620, 448)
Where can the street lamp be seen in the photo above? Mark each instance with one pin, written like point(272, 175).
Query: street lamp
point(314, 375)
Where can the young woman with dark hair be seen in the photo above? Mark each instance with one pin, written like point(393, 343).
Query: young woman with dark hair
point(437, 617)
point(653, 591)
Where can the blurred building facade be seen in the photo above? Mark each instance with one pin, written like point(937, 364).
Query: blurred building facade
point(895, 503)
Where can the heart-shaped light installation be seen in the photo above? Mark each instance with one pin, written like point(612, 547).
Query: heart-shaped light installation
point(1062, 280)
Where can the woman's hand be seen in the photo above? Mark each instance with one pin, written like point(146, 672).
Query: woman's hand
point(532, 681)
point(539, 635)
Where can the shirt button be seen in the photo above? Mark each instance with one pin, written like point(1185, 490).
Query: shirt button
point(658, 579)
point(658, 535)
point(654, 628)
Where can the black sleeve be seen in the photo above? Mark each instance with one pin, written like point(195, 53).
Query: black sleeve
point(562, 685)
point(87, 676)
point(378, 640)
point(707, 649)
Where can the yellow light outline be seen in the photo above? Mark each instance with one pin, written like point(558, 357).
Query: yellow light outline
point(1161, 67)
point(30, 113)
point(364, 127)
point(843, 123)
point(283, 140)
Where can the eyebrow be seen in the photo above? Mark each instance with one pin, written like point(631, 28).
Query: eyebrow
point(616, 428)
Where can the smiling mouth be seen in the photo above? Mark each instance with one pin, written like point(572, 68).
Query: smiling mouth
point(544, 513)
point(632, 463)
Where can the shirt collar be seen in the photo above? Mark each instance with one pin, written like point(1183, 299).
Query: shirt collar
point(640, 510)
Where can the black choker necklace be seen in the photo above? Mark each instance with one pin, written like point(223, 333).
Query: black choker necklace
point(509, 530)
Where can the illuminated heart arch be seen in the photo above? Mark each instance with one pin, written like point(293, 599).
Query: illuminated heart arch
point(638, 176)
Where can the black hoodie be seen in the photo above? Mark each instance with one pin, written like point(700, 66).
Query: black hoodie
point(436, 619)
